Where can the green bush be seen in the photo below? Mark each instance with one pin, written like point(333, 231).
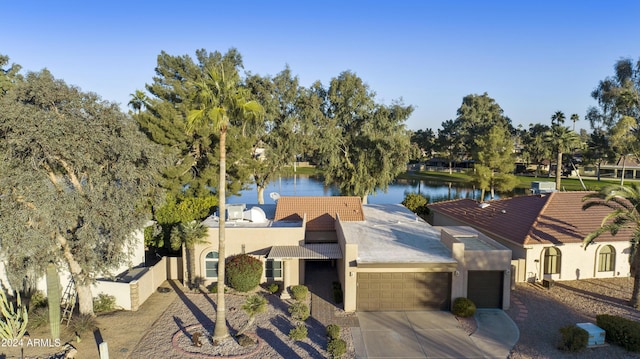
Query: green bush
point(299, 292)
point(463, 307)
point(620, 331)
point(83, 323)
point(299, 311)
point(333, 331)
point(337, 292)
point(104, 303)
point(573, 338)
point(416, 203)
point(299, 332)
point(273, 288)
point(336, 348)
point(213, 288)
point(37, 300)
point(243, 272)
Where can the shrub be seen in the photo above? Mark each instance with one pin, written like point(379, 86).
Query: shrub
point(37, 300)
point(621, 331)
point(243, 272)
point(573, 338)
point(299, 311)
point(299, 332)
point(463, 307)
point(104, 303)
point(213, 288)
point(245, 341)
point(336, 348)
point(416, 203)
point(273, 288)
point(333, 331)
point(38, 316)
point(299, 292)
point(83, 323)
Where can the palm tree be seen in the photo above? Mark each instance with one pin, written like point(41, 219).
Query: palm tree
point(574, 118)
point(625, 204)
point(219, 100)
point(188, 234)
point(138, 100)
point(557, 118)
point(561, 139)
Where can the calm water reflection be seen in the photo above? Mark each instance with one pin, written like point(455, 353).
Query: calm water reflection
point(311, 186)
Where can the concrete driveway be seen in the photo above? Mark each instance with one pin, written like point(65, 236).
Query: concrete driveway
point(431, 334)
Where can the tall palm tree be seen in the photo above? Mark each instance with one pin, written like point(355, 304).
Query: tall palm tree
point(562, 140)
point(219, 100)
point(188, 234)
point(574, 118)
point(625, 204)
point(557, 118)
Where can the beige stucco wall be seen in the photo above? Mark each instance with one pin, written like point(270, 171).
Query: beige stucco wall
point(578, 263)
point(254, 241)
point(347, 269)
point(496, 259)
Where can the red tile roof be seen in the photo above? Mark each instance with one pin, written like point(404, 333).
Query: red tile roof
point(537, 219)
point(321, 211)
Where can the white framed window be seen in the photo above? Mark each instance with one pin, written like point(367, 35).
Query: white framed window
point(273, 268)
point(211, 265)
point(552, 260)
point(606, 259)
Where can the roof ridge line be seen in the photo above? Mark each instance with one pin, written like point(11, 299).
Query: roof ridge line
point(537, 219)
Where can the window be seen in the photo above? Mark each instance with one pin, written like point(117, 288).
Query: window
point(552, 259)
point(606, 259)
point(273, 269)
point(211, 265)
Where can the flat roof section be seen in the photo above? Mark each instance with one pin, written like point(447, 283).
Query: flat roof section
point(472, 239)
point(391, 233)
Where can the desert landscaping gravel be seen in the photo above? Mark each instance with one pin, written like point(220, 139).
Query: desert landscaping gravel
point(540, 313)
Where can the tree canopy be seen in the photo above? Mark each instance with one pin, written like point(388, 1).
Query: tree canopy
point(363, 145)
point(77, 180)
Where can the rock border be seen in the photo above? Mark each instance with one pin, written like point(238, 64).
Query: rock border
point(176, 346)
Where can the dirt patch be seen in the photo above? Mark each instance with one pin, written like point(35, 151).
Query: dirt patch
point(122, 330)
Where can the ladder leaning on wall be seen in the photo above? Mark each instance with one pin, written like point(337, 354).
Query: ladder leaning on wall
point(68, 302)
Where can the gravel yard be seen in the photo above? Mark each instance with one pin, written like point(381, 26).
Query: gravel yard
point(540, 313)
point(193, 312)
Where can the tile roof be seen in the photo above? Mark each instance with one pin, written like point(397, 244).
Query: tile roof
point(321, 210)
point(553, 218)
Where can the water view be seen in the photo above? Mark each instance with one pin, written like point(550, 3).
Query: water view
point(303, 185)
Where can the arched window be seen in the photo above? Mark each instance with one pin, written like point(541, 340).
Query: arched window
point(606, 259)
point(211, 265)
point(552, 259)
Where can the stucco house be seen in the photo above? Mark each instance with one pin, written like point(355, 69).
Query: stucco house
point(386, 258)
point(544, 233)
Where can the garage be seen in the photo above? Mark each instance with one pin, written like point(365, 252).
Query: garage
point(485, 288)
point(403, 291)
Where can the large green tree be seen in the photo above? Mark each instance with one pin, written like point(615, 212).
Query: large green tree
point(220, 103)
point(476, 116)
point(77, 176)
point(494, 161)
point(618, 111)
point(191, 175)
point(624, 217)
point(282, 135)
point(8, 76)
point(364, 145)
point(536, 150)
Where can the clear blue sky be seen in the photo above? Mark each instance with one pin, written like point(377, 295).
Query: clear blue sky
point(532, 57)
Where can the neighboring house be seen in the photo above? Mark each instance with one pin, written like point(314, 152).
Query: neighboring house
point(386, 257)
point(544, 233)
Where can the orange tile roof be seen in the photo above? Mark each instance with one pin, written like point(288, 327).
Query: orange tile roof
point(321, 211)
point(537, 219)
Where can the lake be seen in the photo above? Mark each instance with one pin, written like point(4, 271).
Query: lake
point(304, 185)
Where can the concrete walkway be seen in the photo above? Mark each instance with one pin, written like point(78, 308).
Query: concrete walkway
point(432, 334)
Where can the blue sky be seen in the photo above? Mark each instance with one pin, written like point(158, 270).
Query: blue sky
point(532, 57)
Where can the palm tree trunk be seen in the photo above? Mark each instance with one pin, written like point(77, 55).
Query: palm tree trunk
point(221, 331)
point(559, 170)
point(191, 266)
